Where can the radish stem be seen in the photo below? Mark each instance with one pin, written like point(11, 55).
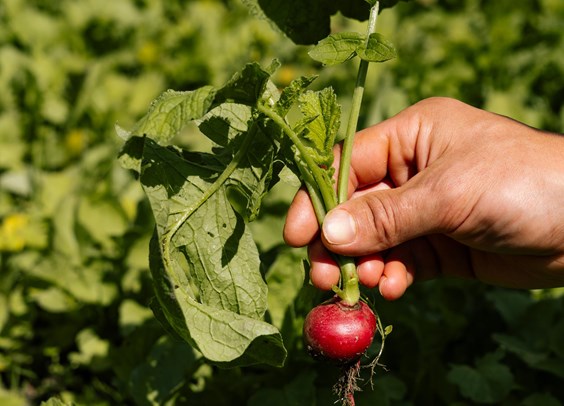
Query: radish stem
point(349, 290)
point(352, 124)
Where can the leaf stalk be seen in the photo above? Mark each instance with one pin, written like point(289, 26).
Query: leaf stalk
point(346, 154)
point(350, 292)
point(314, 179)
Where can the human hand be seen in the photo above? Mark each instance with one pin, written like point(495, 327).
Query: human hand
point(445, 189)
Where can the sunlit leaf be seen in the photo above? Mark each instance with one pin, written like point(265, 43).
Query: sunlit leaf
point(246, 86)
point(92, 350)
point(320, 123)
point(209, 284)
point(170, 112)
point(291, 93)
point(54, 299)
point(337, 48)
point(377, 49)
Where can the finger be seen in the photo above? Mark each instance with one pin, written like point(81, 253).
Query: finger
point(379, 220)
point(395, 280)
point(418, 259)
point(386, 150)
point(324, 272)
point(370, 269)
point(301, 225)
point(402, 265)
point(368, 164)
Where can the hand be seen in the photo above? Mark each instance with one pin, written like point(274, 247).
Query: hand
point(446, 189)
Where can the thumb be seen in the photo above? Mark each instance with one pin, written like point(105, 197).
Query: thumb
point(380, 220)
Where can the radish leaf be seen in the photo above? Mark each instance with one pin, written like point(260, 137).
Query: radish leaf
point(337, 48)
point(204, 261)
point(320, 123)
point(377, 49)
point(223, 337)
point(171, 111)
point(210, 261)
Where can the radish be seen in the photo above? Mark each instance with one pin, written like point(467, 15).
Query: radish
point(339, 333)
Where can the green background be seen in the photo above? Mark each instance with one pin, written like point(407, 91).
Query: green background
point(75, 324)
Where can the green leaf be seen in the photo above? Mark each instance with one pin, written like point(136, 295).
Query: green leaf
point(83, 283)
point(556, 336)
point(225, 122)
point(12, 146)
point(544, 399)
point(65, 239)
point(285, 278)
point(103, 219)
point(132, 315)
point(530, 355)
point(254, 175)
point(54, 300)
point(251, 183)
point(300, 391)
point(50, 402)
point(337, 48)
point(489, 382)
point(4, 311)
point(387, 390)
point(171, 111)
point(223, 337)
point(512, 305)
point(320, 123)
point(291, 93)
point(269, 226)
point(536, 358)
point(92, 350)
point(306, 22)
point(13, 398)
point(213, 240)
point(206, 266)
point(246, 86)
point(150, 387)
point(377, 49)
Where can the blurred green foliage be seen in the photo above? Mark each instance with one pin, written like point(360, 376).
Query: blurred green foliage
point(75, 322)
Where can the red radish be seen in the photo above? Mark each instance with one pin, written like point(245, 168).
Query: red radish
point(339, 333)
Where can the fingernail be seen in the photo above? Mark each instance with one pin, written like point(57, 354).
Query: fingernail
point(339, 227)
point(381, 283)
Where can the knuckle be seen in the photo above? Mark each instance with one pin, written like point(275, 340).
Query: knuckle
point(382, 221)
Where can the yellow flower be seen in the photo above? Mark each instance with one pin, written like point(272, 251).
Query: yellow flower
point(75, 141)
point(147, 53)
point(12, 232)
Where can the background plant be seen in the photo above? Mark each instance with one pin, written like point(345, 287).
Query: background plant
point(74, 285)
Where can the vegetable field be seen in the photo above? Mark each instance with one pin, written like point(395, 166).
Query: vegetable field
point(149, 150)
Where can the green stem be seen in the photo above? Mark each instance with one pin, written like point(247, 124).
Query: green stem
point(323, 199)
point(314, 194)
point(344, 166)
point(349, 291)
point(327, 193)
